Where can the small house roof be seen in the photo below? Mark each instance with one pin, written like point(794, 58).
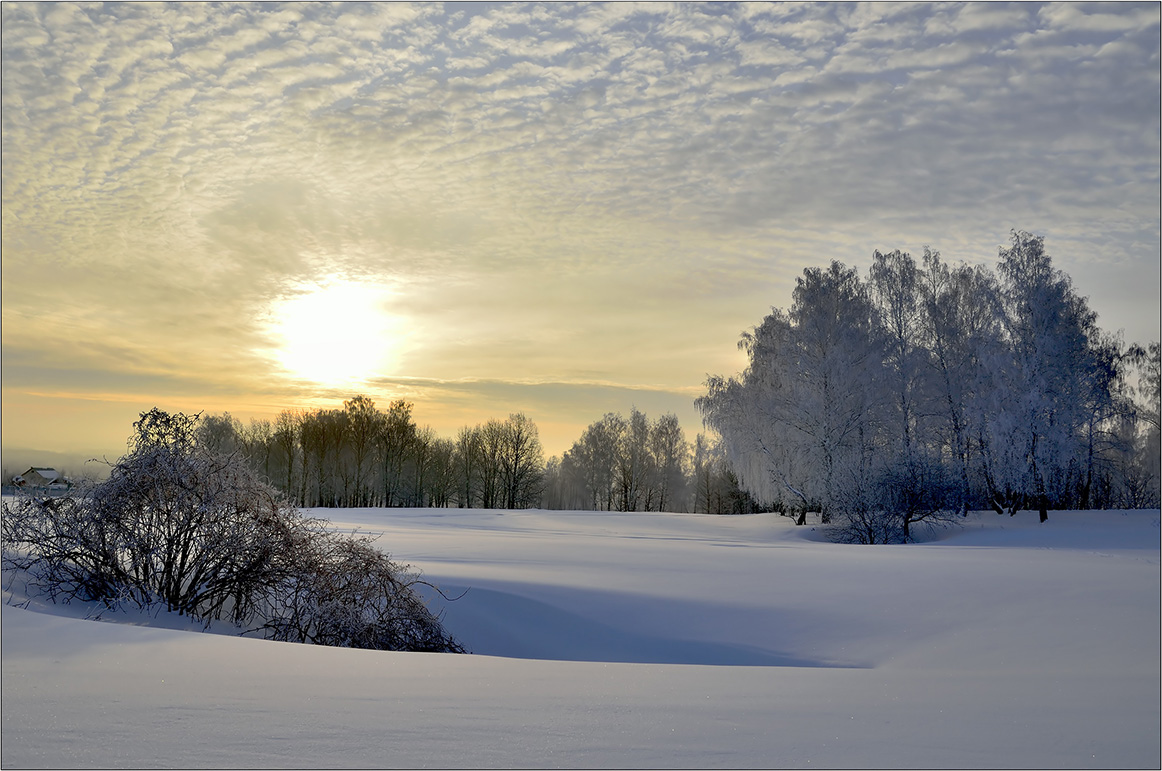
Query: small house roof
point(49, 474)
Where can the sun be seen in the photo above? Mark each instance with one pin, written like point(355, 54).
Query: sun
point(336, 333)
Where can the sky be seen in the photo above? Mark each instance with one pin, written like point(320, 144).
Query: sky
point(562, 210)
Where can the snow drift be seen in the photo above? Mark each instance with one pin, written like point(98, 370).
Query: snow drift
point(644, 640)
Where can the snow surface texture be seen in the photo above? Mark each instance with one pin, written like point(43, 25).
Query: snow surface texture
point(645, 640)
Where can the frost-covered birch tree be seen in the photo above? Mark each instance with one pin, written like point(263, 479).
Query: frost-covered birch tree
point(804, 416)
point(1044, 371)
point(962, 328)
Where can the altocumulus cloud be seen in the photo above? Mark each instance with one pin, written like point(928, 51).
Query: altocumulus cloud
point(560, 194)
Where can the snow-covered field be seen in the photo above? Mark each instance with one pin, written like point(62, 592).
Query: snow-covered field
point(646, 640)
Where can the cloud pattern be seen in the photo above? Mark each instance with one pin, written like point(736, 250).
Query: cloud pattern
point(567, 193)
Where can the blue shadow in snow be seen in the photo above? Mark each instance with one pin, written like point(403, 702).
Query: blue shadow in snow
point(498, 623)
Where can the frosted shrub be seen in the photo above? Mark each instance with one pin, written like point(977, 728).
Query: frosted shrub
point(888, 503)
point(197, 533)
point(349, 594)
point(858, 516)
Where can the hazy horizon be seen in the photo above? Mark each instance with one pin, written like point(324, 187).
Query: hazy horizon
point(558, 210)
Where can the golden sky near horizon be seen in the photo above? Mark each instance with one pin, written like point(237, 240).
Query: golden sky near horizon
point(491, 208)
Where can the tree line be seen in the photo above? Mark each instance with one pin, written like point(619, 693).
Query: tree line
point(929, 389)
point(362, 455)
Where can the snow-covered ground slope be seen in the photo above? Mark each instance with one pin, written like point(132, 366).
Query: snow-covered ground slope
point(642, 640)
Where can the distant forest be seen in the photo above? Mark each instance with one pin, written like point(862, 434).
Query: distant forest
point(362, 455)
point(919, 393)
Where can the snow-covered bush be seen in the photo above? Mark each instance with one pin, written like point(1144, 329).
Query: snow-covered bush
point(178, 526)
point(889, 503)
point(858, 514)
point(349, 594)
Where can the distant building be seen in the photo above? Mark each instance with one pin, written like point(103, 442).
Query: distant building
point(41, 479)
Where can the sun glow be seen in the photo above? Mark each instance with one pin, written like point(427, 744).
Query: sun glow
point(337, 333)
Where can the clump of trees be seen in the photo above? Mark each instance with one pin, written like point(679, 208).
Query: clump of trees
point(181, 526)
point(715, 485)
point(928, 389)
point(363, 456)
point(624, 465)
point(638, 464)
